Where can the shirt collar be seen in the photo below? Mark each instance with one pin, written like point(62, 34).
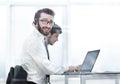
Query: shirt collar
point(38, 33)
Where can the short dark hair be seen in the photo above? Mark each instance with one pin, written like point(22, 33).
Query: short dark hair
point(38, 13)
point(56, 29)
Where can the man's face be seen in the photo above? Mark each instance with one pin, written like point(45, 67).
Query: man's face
point(53, 38)
point(45, 23)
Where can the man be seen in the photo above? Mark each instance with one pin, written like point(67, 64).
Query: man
point(34, 54)
point(54, 34)
point(53, 37)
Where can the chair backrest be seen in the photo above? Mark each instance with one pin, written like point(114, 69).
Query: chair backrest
point(19, 72)
point(17, 75)
point(10, 75)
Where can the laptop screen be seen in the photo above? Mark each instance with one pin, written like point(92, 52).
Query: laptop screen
point(89, 61)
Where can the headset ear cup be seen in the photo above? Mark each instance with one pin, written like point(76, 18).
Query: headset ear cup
point(35, 21)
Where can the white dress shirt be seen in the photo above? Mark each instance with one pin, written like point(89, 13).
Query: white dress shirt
point(35, 60)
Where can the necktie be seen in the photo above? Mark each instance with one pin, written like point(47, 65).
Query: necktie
point(47, 49)
point(47, 76)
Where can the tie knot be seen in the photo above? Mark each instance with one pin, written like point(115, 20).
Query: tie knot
point(45, 41)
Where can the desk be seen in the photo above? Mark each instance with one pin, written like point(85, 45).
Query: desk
point(70, 76)
point(94, 76)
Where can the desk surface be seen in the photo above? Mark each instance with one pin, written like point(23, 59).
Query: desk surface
point(91, 73)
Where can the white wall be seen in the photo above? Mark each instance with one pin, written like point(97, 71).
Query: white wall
point(95, 26)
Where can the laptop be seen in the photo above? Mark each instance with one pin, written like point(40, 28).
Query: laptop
point(88, 63)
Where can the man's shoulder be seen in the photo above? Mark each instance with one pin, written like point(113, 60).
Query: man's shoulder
point(34, 39)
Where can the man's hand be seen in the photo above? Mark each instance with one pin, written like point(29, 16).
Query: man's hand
point(72, 68)
point(78, 68)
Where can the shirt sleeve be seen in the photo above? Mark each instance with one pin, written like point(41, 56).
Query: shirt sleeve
point(37, 52)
